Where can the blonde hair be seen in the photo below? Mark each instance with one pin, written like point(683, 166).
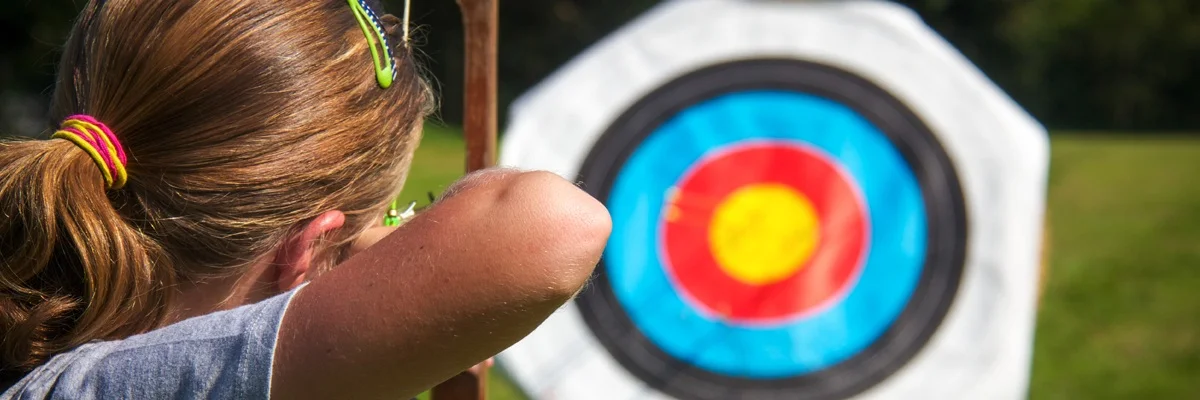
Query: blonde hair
point(242, 120)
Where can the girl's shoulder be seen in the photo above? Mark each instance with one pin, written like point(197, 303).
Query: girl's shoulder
point(226, 354)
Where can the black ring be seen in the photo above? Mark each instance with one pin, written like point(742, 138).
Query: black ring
point(945, 250)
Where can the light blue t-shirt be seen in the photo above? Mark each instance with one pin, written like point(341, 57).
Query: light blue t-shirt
point(224, 355)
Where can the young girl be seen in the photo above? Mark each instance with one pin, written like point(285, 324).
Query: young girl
point(202, 221)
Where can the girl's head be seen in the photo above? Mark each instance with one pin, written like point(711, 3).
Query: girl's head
point(247, 124)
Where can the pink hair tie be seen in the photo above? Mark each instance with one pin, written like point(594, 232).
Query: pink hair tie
point(100, 143)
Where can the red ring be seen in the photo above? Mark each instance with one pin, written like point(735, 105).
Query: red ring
point(827, 274)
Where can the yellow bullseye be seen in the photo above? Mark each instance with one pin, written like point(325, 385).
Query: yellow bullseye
point(762, 234)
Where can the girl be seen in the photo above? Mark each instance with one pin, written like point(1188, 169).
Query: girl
point(202, 222)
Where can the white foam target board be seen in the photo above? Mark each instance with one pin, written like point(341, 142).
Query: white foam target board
point(982, 349)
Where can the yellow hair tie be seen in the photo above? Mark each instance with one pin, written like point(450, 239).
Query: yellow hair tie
point(100, 143)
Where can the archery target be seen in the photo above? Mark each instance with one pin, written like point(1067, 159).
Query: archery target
point(791, 219)
point(785, 240)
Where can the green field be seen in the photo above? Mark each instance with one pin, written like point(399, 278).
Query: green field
point(1120, 318)
point(1121, 314)
point(439, 161)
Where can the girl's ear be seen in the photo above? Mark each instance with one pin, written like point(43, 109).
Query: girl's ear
point(296, 255)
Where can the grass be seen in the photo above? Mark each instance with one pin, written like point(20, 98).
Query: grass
point(438, 162)
point(1120, 317)
point(1121, 314)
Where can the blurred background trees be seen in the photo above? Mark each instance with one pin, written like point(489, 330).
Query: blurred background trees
point(1075, 64)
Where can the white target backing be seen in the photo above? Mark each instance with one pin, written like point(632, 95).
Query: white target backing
point(912, 186)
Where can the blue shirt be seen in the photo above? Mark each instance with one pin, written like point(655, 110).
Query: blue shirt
point(223, 355)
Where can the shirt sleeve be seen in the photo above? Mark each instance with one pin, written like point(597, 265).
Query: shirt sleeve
point(225, 355)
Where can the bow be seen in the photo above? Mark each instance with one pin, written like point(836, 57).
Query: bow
point(481, 22)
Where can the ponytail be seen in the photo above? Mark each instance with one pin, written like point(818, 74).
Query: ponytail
point(233, 141)
point(72, 269)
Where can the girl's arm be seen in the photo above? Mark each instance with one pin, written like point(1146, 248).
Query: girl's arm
point(462, 281)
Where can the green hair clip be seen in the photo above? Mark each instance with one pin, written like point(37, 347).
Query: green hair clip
point(385, 67)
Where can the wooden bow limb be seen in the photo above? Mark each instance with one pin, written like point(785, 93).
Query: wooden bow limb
point(481, 22)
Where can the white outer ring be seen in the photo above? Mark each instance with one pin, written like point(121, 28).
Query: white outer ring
point(983, 348)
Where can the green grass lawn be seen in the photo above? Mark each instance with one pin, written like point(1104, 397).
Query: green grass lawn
point(1121, 314)
point(1120, 317)
point(439, 161)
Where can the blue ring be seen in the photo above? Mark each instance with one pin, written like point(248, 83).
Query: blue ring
point(891, 271)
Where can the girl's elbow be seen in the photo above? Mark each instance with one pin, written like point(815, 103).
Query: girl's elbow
point(571, 226)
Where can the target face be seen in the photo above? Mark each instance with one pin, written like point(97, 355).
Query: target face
point(781, 229)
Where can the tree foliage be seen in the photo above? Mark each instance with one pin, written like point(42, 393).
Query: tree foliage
point(1084, 64)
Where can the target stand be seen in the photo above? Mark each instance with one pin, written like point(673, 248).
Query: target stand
point(810, 200)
